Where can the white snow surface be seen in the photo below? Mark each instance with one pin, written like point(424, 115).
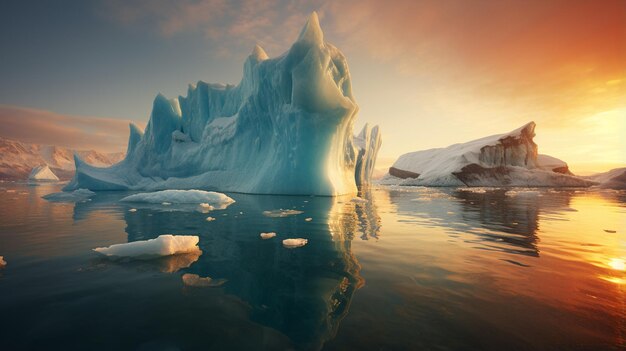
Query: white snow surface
point(72, 196)
point(205, 199)
point(286, 128)
point(42, 172)
point(509, 159)
point(164, 245)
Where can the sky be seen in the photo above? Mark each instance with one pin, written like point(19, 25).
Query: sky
point(429, 73)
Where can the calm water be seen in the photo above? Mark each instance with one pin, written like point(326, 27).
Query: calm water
point(413, 268)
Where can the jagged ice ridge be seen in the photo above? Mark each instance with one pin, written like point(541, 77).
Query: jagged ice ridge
point(285, 129)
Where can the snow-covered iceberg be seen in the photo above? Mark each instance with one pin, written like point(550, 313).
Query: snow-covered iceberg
point(285, 129)
point(164, 245)
point(42, 173)
point(509, 159)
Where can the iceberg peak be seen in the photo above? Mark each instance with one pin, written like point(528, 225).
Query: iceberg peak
point(286, 128)
point(312, 32)
point(259, 54)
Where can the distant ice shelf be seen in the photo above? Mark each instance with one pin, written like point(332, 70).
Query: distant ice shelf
point(286, 128)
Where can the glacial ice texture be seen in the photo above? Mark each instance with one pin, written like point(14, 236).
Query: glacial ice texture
point(286, 128)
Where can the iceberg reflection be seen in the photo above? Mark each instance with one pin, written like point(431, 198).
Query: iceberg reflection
point(303, 293)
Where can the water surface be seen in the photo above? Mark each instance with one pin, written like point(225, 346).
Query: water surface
point(410, 268)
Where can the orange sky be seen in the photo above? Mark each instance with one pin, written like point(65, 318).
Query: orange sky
point(430, 72)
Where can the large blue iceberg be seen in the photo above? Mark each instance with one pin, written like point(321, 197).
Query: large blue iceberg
point(285, 129)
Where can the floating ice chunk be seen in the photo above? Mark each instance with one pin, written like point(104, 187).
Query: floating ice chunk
point(164, 245)
point(281, 213)
point(2, 262)
point(359, 200)
point(206, 206)
point(42, 173)
point(211, 198)
point(132, 210)
point(522, 193)
point(267, 235)
point(165, 203)
point(308, 219)
point(473, 190)
point(196, 281)
point(293, 243)
point(73, 196)
point(210, 219)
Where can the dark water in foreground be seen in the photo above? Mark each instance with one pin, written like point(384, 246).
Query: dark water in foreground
point(432, 269)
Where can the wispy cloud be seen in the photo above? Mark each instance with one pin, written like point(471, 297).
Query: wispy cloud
point(272, 23)
point(50, 128)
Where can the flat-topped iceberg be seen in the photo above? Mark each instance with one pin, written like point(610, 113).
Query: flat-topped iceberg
point(205, 199)
point(72, 196)
point(286, 128)
point(164, 245)
point(509, 159)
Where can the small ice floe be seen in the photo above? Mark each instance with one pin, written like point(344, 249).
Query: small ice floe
point(132, 210)
point(2, 262)
point(165, 203)
point(293, 243)
point(210, 219)
point(206, 206)
point(269, 235)
point(473, 190)
point(422, 199)
point(308, 219)
point(610, 231)
point(359, 200)
point(281, 213)
point(522, 193)
point(73, 196)
point(215, 199)
point(196, 281)
point(164, 245)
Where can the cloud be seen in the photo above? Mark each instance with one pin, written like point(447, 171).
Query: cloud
point(272, 23)
point(50, 128)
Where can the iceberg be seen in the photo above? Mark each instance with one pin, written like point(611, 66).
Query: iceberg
point(293, 243)
point(208, 200)
point(269, 235)
point(73, 196)
point(509, 159)
point(286, 128)
point(613, 179)
point(164, 245)
point(42, 173)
